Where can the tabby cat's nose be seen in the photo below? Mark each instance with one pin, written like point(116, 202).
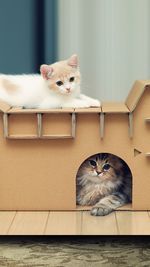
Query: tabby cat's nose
point(98, 172)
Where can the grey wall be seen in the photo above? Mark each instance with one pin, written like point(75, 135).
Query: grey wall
point(112, 39)
point(27, 34)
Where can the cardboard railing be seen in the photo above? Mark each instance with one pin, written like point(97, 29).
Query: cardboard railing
point(39, 124)
point(42, 150)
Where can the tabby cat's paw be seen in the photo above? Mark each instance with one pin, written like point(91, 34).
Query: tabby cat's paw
point(101, 210)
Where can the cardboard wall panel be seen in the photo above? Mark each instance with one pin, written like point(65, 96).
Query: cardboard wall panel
point(20, 124)
point(54, 124)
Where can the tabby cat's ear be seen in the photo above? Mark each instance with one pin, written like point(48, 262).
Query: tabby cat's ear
point(73, 61)
point(46, 71)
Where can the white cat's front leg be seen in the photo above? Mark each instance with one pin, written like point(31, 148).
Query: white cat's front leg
point(76, 103)
point(91, 101)
point(49, 103)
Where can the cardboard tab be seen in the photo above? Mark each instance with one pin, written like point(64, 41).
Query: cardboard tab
point(136, 152)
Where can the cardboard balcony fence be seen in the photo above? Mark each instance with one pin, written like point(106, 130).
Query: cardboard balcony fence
point(42, 150)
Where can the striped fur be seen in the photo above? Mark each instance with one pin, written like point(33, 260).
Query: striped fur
point(104, 182)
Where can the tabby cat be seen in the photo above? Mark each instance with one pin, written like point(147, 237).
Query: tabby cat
point(104, 182)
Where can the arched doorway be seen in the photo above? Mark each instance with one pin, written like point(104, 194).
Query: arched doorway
point(104, 178)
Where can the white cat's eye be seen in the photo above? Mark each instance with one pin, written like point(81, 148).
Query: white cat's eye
point(59, 83)
point(93, 163)
point(71, 79)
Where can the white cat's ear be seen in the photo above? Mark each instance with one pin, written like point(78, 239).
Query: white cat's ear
point(46, 71)
point(73, 61)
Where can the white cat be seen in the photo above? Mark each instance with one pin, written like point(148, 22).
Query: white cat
point(58, 86)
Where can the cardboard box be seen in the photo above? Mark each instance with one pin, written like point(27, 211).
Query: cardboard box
point(42, 150)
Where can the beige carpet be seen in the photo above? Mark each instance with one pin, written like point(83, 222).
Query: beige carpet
point(74, 252)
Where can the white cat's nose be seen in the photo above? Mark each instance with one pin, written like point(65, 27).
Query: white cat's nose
point(68, 90)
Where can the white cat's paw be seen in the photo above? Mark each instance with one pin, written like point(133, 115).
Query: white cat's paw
point(101, 210)
point(94, 103)
point(82, 105)
point(47, 105)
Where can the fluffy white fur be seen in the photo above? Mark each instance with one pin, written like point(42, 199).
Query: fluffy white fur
point(36, 91)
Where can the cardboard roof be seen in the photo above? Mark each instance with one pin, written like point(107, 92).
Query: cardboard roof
point(136, 93)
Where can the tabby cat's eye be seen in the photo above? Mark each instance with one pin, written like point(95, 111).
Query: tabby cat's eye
point(71, 79)
point(93, 163)
point(106, 167)
point(59, 83)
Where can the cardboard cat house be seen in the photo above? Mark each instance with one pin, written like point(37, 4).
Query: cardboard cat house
point(42, 150)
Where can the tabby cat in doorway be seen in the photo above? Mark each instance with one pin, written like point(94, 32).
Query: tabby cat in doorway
point(103, 182)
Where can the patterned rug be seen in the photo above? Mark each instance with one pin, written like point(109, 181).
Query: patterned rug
point(74, 252)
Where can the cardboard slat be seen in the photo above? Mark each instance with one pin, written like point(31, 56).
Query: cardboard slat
point(59, 136)
point(88, 110)
point(29, 223)
point(20, 110)
point(104, 225)
point(16, 110)
point(73, 125)
point(39, 125)
point(6, 219)
point(102, 125)
point(64, 223)
point(19, 136)
point(131, 124)
point(133, 223)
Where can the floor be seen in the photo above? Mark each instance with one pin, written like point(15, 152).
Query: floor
point(75, 251)
point(74, 223)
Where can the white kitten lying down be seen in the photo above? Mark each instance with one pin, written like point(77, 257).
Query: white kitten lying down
point(58, 86)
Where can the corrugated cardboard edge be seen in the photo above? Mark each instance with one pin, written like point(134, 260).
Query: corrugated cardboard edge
point(136, 93)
